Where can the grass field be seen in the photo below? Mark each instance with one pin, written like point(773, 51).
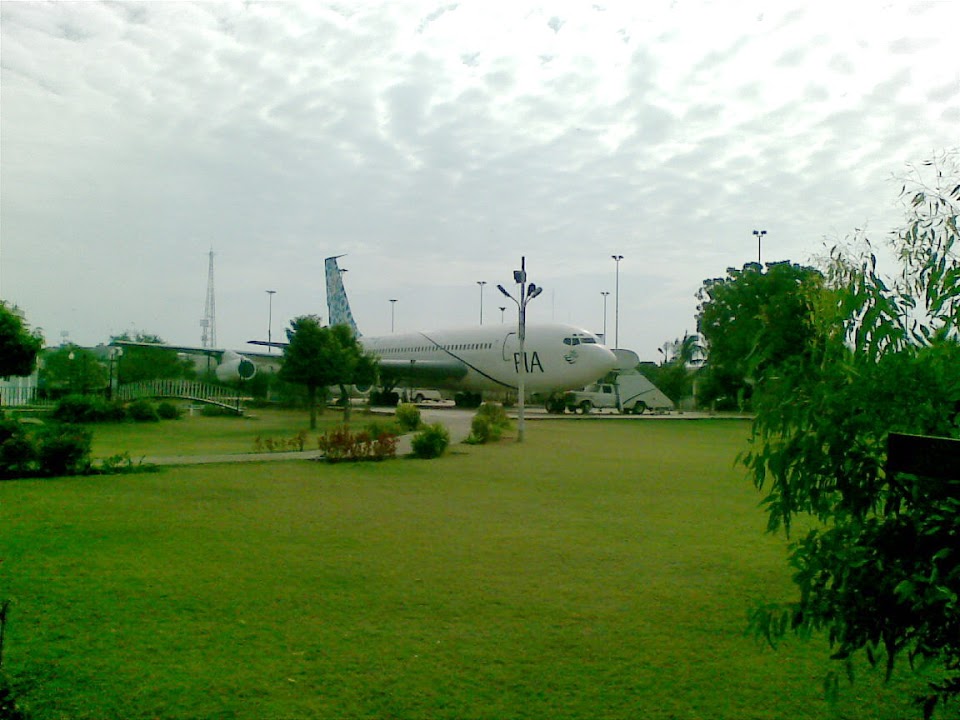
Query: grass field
point(600, 570)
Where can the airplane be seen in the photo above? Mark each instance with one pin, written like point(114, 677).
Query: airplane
point(468, 359)
point(482, 358)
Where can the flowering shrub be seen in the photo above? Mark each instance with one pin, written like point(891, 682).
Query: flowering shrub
point(340, 445)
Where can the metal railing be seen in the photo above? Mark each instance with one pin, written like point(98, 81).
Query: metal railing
point(183, 389)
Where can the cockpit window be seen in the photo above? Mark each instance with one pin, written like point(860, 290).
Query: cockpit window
point(578, 339)
point(571, 341)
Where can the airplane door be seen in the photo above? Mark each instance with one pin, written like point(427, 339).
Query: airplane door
point(511, 347)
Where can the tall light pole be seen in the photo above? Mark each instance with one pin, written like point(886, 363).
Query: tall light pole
point(616, 314)
point(393, 306)
point(502, 310)
point(605, 294)
point(759, 234)
point(527, 293)
point(270, 294)
point(481, 283)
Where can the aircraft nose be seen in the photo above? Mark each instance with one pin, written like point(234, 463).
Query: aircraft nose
point(605, 359)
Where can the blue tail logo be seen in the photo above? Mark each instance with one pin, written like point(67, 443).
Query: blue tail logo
point(338, 307)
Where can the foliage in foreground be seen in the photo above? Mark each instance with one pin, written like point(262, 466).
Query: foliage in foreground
point(879, 572)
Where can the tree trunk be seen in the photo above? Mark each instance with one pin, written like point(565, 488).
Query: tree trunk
point(312, 402)
point(345, 401)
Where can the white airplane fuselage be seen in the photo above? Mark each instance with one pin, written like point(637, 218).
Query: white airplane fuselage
point(555, 357)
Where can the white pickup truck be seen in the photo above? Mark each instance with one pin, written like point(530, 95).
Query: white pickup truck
point(629, 393)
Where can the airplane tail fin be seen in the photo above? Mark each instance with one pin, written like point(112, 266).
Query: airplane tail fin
point(338, 307)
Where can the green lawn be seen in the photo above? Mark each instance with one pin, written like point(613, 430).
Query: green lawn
point(600, 570)
point(199, 435)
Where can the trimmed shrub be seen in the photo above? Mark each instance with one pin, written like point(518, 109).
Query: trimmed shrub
point(431, 442)
point(87, 409)
point(408, 417)
point(17, 455)
point(481, 431)
point(143, 411)
point(168, 411)
point(376, 428)
point(488, 424)
point(63, 450)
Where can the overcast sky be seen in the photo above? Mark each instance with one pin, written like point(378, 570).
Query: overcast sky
point(435, 144)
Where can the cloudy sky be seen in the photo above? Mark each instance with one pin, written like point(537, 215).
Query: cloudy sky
point(436, 143)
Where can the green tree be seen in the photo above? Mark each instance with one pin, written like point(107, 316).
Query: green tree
point(674, 376)
point(150, 363)
point(72, 369)
point(879, 572)
point(319, 357)
point(18, 346)
point(752, 319)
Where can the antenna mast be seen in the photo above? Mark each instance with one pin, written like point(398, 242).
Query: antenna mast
point(208, 337)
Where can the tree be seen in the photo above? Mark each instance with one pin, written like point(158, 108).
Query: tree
point(749, 320)
point(879, 573)
point(319, 357)
point(147, 363)
point(18, 346)
point(675, 375)
point(72, 369)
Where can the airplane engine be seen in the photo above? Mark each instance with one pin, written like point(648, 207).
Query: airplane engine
point(235, 367)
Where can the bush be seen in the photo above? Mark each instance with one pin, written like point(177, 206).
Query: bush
point(488, 424)
point(481, 431)
point(408, 417)
point(143, 411)
point(340, 444)
point(63, 450)
point(431, 442)
point(376, 428)
point(17, 455)
point(168, 411)
point(87, 409)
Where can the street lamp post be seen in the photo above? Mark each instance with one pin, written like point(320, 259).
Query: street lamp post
point(502, 310)
point(527, 293)
point(481, 283)
point(616, 315)
point(393, 306)
point(759, 234)
point(605, 294)
point(270, 294)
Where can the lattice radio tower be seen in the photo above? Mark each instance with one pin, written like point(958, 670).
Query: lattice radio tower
point(208, 337)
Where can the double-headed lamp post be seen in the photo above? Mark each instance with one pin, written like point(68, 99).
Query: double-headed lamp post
point(616, 314)
point(270, 294)
point(527, 293)
point(393, 306)
point(481, 283)
point(759, 234)
point(606, 294)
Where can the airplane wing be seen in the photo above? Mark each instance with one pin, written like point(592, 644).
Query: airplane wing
point(212, 352)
